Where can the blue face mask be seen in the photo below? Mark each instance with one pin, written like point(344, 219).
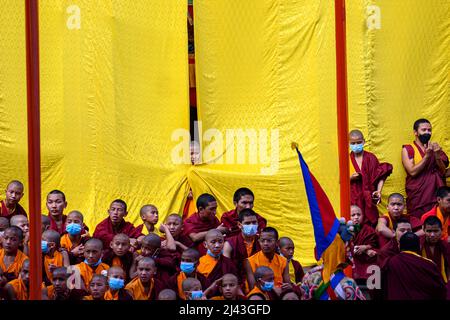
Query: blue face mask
point(187, 267)
point(116, 284)
point(213, 255)
point(196, 295)
point(95, 264)
point(250, 229)
point(357, 148)
point(267, 286)
point(44, 246)
point(73, 229)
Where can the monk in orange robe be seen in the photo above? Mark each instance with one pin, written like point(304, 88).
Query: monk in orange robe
point(10, 206)
point(193, 289)
point(269, 258)
point(197, 225)
point(52, 256)
point(167, 294)
point(116, 283)
point(264, 285)
point(386, 223)
point(21, 221)
point(97, 287)
point(442, 211)
point(245, 244)
point(75, 238)
point(92, 263)
point(188, 269)
point(367, 177)
point(243, 199)
point(425, 164)
point(18, 289)
point(119, 255)
point(59, 289)
point(214, 264)
point(229, 288)
point(145, 286)
point(11, 258)
point(115, 224)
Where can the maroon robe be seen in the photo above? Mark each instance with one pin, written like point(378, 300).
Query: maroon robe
point(299, 274)
point(54, 226)
point(416, 225)
point(421, 189)
point(390, 249)
point(230, 220)
point(105, 232)
point(194, 224)
point(366, 236)
point(4, 210)
point(412, 277)
point(167, 263)
point(361, 190)
point(441, 250)
point(126, 261)
point(223, 266)
point(239, 253)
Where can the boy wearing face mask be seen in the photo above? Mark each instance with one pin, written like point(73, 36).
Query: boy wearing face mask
point(53, 258)
point(367, 177)
point(193, 289)
point(188, 269)
point(116, 282)
point(264, 285)
point(425, 164)
point(245, 244)
point(75, 238)
point(92, 263)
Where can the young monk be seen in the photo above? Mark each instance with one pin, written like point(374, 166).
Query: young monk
point(243, 198)
point(97, 287)
point(53, 257)
point(149, 216)
point(75, 238)
point(229, 288)
point(116, 284)
point(245, 244)
point(10, 206)
point(45, 222)
point(424, 162)
point(193, 289)
point(174, 227)
point(386, 223)
point(287, 248)
point(56, 203)
point(4, 224)
point(434, 248)
point(11, 258)
point(167, 294)
point(188, 268)
point(21, 221)
point(367, 177)
point(165, 260)
point(92, 263)
point(145, 286)
point(59, 289)
point(269, 258)
point(264, 285)
point(18, 289)
point(392, 247)
point(197, 225)
point(119, 254)
point(115, 224)
point(442, 211)
point(214, 264)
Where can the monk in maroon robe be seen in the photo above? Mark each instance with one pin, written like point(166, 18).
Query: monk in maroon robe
point(425, 164)
point(392, 248)
point(56, 203)
point(410, 276)
point(367, 177)
point(115, 224)
point(243, 199)
point(197, 225)
point(10, 206)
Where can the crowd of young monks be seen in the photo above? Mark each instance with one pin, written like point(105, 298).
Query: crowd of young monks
point(240, 257)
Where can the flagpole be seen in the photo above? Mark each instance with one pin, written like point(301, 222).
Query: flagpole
point(34, 156)
point(342, 108)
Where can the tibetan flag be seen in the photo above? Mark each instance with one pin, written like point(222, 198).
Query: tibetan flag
point(324, 220)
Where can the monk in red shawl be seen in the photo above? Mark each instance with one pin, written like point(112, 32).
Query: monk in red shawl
point(410, 276)
point(10, 206)
point(367, 177)
point(386, 223)
point(425, 164)
point(243, 199)
point(197, 225)
point(115, 224)
point(287, 248)
point(392, 247)
point(56, 203)
point(363, 246)
point(214, 264)
point(245, 244)
point(172, 229)
point(441, 211)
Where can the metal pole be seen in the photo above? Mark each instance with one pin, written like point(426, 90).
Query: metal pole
point(34, 155)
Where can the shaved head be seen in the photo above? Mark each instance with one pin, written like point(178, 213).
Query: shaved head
point(60, 271)
point(75, 214)
point(167, 294)
point(356, 134)
point(97, 243)
point(190, 283)
point(147, 260)
point(121, 236)
point(52, 236)
point(115, 270)
point(15, 183)
point(16, 231)
point(4, 223)
point(262, 271)
point(17, 220)
point(213, 233)
point(100, 277)
point(174, 215)
point(230, 277)
point(147, 207)
point(191, 253)
point(152, 240)
point(284, 241)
